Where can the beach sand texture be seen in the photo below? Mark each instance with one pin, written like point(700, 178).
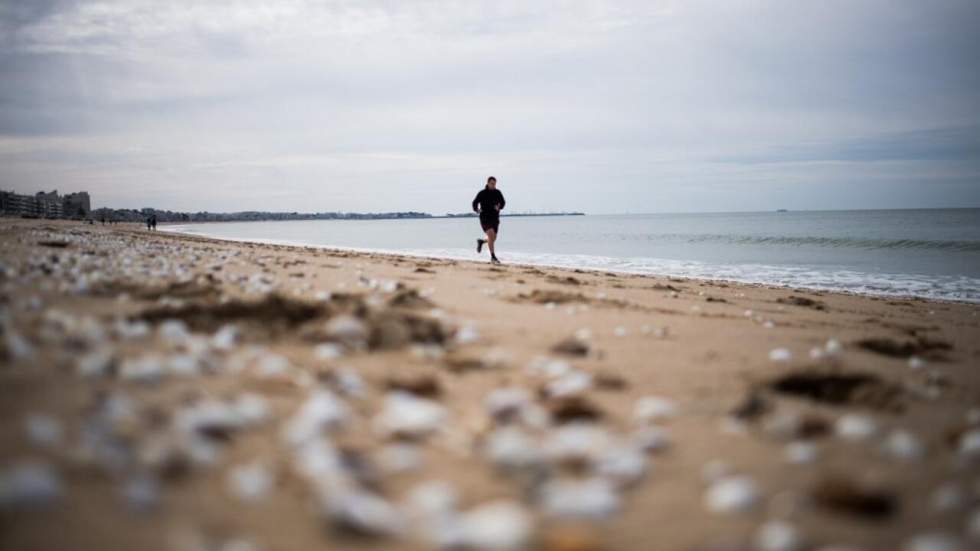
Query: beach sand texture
point(160, 391)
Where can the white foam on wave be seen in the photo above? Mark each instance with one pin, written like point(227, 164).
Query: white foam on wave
point(822, 278)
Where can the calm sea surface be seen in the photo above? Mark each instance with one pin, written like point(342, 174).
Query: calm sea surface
point(927, 253)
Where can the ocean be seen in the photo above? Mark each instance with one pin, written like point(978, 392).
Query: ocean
point(931, 253)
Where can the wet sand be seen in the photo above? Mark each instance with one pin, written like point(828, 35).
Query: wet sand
point(160, 391)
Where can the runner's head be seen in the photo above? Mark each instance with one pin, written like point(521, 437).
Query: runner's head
point(491, 183)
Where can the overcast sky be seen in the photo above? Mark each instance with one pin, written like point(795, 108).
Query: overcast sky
point(603, 107)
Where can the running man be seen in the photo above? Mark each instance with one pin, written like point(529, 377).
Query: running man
point(488, 203)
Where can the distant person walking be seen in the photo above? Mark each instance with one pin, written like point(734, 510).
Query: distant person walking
point(488, 203)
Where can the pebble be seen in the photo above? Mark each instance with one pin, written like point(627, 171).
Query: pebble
point(512, 448)
point(347, 330)
point(43, 430)
point(95, 364)
point(623, 464)
point(495, 526)
point(321, 410)
point(620, 331)
point(328, 351)
point(916, 362)
point(969, 446)
point(780, 355)
point(854, 426)
point(902, 444)
point(778, 535)
point(503, 403)
point(589, 498)
point(653, 408)
point(225, 338)
point(732, 494)
point(467, 335)
point(250, 482)
point(571, 384)
point(576, 442)
point(833, 347)
point(362, 512)
point(29, 485)
point(800, 453)
point(405, 414)
point(147, 369)
point(935, 541)
point(350, 383)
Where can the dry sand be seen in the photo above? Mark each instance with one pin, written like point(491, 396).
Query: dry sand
point(155, 393)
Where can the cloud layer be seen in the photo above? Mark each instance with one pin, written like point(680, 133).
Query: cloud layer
point(596, 106)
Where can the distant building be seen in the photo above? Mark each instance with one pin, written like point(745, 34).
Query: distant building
point(77, 204)
point(45, 204)
point(49, 205)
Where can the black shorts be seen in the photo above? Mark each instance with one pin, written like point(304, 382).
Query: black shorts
point(490, 224)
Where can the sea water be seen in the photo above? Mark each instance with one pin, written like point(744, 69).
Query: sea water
point(933, 253)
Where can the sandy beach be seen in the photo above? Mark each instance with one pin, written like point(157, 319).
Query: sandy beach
point(160, 391)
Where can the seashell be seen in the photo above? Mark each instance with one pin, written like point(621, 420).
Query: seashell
point(731, 494)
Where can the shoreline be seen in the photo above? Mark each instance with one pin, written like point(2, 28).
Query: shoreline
point(588, 269)
point(162, 390)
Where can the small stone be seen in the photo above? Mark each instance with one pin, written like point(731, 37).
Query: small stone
point(620, 331)
point(145, 369)
point(780, 355)
point(506, 403)
point(853, 426)
point(590, 498)
point(916, 363)
point(778, 535)
point(362, 513)
point(409, 416)
point(572, 384)
point(322, 410)
point(732, 494)
point(95, 364)
point(969, 446)
point(467, 335)
point(800, 453)
point(901, 444)
point(347, 330)
point(936, 541)
point(495, 526)
point(29, 485)
point(653, 408)
point(623, 464)
point(328, 351)
point(576, 443)
point(173, 332)
point(512, 448)
point(226, 338)
point(250, 482)
point(833, 347)
point(43, 430)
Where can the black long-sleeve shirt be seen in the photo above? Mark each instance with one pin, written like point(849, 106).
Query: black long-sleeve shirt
point(489, 200)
